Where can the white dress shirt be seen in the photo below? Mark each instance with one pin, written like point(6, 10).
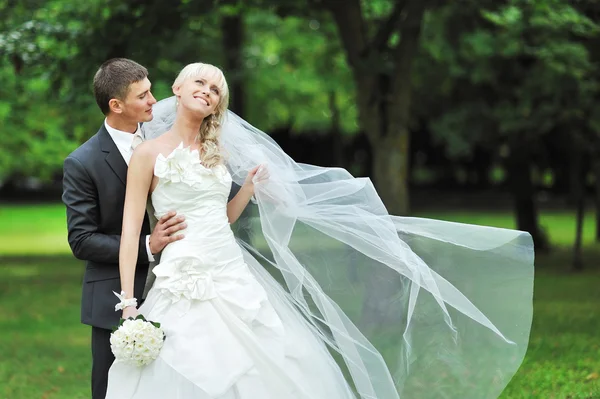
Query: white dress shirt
point(123, 141)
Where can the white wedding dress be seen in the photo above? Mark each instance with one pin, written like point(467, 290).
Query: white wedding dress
point(228, 336)
point(409, 307)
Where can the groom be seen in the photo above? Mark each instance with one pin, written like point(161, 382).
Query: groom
point(94, 181)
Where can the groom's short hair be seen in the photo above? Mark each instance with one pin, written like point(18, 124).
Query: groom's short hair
point(113, 78)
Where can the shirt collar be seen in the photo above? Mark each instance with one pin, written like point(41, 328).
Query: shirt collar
point(122, 139)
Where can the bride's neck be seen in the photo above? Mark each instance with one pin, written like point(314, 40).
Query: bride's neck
point(186, 129)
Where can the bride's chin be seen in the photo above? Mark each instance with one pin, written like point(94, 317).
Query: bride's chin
point(195, 112)
point(192, 107)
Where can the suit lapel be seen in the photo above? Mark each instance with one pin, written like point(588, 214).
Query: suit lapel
point(113, 156)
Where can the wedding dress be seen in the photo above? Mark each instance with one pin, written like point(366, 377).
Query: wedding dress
point(327, 296)
point(226, 336)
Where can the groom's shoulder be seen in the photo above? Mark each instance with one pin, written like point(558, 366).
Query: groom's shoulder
point(85, 150)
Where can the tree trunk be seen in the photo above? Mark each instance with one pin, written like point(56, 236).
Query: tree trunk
point(232, 27)
point(383, 96)
point(574, 170)
point(519, 171)
point(577, 248)
point(390, 170)
point(336, 133)
point(597, 194)
point(233, 43)
point(578, 197)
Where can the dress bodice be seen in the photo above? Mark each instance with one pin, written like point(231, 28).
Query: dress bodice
point(188, 187)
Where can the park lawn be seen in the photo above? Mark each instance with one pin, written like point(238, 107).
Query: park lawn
point(33, 230)
point(558, 224)
point(41, 229)
point(44, 351)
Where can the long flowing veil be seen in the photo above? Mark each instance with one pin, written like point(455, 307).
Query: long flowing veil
point(409, 307)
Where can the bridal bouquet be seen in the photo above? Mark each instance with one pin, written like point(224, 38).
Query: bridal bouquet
point(137, 341)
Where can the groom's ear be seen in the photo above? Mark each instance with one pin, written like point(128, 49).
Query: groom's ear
point(115, 106)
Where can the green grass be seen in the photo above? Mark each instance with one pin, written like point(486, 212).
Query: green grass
point(44, 350)
point(33, 230)
point(559, 225)
point(41, 230)
point(563, 358)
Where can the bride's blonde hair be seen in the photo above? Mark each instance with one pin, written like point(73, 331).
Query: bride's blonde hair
point(210, 129)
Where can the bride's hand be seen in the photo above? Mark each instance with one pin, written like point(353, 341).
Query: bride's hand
point(257, 174)
point(130, 311)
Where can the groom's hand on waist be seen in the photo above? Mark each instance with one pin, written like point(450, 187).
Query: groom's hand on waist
point(165, 231)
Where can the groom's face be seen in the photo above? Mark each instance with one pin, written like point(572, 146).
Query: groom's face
point(137, 106)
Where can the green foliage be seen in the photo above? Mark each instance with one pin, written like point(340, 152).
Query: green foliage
point(293, 65)
point(486, 70)
point(51, 49)
point(40, 121)
point(520, 68)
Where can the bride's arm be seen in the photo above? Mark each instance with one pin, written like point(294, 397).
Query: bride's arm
point(236, 206)
point(139, 179)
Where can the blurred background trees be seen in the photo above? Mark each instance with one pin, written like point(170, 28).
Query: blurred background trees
point(496, 99)
point(471, 111)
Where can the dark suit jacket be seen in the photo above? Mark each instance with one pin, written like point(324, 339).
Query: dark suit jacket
point(94, 193)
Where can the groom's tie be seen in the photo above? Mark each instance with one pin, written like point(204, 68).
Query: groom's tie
point(137, 140)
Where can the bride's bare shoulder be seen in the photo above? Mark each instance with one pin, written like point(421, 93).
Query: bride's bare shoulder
point(147, 151)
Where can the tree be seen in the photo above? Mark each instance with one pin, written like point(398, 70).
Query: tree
point(380, 53)
point(36, 131)
point(511, 74)
point(380, 39)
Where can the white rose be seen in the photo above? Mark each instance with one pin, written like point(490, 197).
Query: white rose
point(140, 347)
point(137, 324)
point(127, 328)
point(158, 332)
point(115, 339)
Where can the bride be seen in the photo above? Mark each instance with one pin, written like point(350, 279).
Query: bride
point(335, 298)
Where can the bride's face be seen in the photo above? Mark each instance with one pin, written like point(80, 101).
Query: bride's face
point(200, 94)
